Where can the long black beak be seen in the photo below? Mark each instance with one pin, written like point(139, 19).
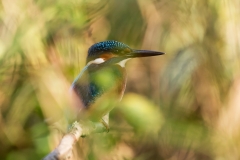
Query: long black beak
point(144, 53)
point(133, 54)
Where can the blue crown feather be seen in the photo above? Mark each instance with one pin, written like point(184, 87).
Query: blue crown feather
point(107, 46)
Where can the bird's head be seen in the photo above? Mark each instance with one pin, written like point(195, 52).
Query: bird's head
point(115, 51)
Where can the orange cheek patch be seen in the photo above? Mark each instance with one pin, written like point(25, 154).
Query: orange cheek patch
point(107, 56)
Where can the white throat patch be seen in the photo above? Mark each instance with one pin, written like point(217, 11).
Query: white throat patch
point(123, 62)
point(96, 61)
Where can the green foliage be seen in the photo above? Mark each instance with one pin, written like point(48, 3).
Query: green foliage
point(183, 105)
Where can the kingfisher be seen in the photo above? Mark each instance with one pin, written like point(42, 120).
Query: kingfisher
point(102, 82)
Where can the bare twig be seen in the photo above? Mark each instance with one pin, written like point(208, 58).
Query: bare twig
point(65, 147)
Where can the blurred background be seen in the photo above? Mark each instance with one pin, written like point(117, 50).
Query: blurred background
point(184, 105)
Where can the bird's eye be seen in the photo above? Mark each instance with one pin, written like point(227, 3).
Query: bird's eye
point(127, 50)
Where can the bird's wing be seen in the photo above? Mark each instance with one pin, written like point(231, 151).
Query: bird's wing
point(100, 88)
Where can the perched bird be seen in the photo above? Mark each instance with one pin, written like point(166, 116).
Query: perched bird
point(102, 82)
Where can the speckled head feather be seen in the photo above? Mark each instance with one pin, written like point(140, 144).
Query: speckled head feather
point(115, 47)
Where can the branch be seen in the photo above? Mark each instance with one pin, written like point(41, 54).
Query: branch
point(64, 149)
